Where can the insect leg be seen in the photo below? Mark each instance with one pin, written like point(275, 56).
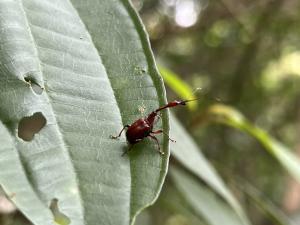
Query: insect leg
point(155, 139)
point(130, 147)
point(116, 137)
point(161, 131)
point(127, 150)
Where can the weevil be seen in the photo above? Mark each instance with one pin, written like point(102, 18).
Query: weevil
point(143, 127)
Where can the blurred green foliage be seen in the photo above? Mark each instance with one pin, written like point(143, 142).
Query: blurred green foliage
point(183, 90)
point(245, 53)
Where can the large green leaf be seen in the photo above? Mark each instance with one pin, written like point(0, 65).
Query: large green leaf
point(96, 70)
point(187, 152)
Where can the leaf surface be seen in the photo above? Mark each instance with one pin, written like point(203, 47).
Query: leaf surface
point(86, 66)
point(15, 183)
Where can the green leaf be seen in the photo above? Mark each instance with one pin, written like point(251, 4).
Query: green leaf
point(172, 200)
point(189, 155)
point(231, 117)
point(179, 86)
point(203, 199)
point(86, 67)
point(16, 185)
point(265, 205)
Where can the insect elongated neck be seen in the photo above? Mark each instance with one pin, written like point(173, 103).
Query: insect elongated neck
point(173, 104)
point(152, 115)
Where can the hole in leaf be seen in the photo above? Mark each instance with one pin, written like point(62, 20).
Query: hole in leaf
point(59, 217)
point(29, 126)
point(6, 206)
point(34, 85)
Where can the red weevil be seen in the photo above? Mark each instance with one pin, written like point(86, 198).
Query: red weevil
point(143, 127)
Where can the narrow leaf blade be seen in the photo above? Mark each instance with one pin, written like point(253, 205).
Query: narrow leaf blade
point(229, 116)
point(187, 152)
point(204, 201)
